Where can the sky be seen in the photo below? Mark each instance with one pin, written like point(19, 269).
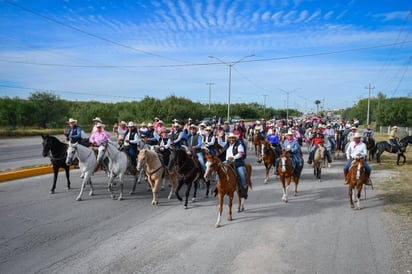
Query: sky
point(277, 53)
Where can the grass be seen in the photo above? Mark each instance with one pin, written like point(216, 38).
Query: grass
point(395, 189)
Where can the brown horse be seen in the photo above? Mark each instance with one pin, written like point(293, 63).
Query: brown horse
point(155, 171)
point(318, 160)
point(257, 142)
point(269, 156)
point(227, 183)
point(286, 173)
point(338, 139)
point(356, 178)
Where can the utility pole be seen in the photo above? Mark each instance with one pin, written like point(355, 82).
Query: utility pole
point(264, 104)
point(210, 87)
point(369, 102)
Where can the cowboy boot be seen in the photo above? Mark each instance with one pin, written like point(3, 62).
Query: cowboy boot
point(367, 179)
point(346, 177)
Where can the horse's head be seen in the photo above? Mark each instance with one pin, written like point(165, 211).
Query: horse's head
point(141, 159)
point(102, 152)
point(71, 152)
point(212, 163)
point(46, 145)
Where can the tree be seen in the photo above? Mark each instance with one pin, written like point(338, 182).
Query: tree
point(317, 103)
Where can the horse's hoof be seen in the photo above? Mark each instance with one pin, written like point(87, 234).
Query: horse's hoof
point(230, 218)
point(131, 192)
point(194, 200)
point(217, 225)
point(51, 191)
point(186, 207)
point(352, 206)
point(120, 199)
point(113, 197)
point(78, 199)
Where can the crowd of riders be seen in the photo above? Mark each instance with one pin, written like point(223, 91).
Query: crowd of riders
point(217, 136)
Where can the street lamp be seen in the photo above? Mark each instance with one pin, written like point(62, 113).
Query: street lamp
point(287, 101)
point(230, 65)
point(210, 87)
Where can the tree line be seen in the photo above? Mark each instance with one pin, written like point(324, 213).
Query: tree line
point(46, 110)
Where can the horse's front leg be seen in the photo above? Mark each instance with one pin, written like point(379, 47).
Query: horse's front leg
point(241, 202)
point(358, 196)
point(86, 179)
point(196, 186)
point(351, 195)
point(121, 187)
point(110, 186)
point(173, 183)
point(136, 177)
point(154, 186)
point(189, 186)
point(220, 209)
point(55, 174)
point(67, 169)
point(267, 174)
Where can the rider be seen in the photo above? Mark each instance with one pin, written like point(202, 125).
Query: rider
point(394, 139)
point(209, 140)
point(99, 136)
point(194, 143)
point(330, 134)
point(234, 152)
point(357, 149)
point(291, 144)
point(273, 138)
point(163, 146)
point(177, 136)
point(131, 139)
point(121, 131)
point(318, 140)
point(366, 132)
point(74, 134)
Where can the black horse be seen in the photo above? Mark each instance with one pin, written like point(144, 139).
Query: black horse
point(57, 152)
point(370, 145)
point(188, 171)
point(386, 146)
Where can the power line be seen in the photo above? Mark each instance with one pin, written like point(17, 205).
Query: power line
point(88, 33)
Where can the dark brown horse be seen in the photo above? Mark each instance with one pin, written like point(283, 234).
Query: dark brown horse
point(356, 179)
point(339, 140)
point(370, 146)
point(257, 142)
point(227, 183)
point(383, 146)
point(269, 156)
point(57, 151)
point(287, 173)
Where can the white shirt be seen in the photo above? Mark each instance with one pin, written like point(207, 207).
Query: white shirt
point(356, 148)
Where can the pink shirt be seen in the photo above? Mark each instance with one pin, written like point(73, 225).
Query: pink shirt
point(99, 137)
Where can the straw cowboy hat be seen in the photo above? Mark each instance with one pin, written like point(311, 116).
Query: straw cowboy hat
point(290, 132)
point(130, 124)
point(97, 119)
point(100, 125)
point(357, 135)
point(232, 135)
point(71, 120)
point(394, 127)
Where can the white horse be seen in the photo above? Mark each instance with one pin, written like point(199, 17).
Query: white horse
point(117, 165)
point(87, 164)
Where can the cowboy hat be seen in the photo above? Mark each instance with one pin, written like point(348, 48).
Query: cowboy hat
point(353, 127)
point(143, 124)
point(130, 124)
point(394, 127)
point(97, 119)
point(232, 135)
point(208, 128)
point(192, 126)
point(289, 132)
point(176, 124)
point(149, 124)
point(71, 120)
point(100, 125)
point(357, 135)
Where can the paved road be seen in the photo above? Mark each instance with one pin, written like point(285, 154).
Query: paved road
point(316, 232)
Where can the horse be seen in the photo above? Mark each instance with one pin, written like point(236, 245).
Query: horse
point(155, 171)
point(117, 166)
point(269, 156)
point(383, 146)
point(250, 133)
point(356, 179)
point(87, 164)
point(56, 150)
point(227, 183)
point(370, 146)
point(257, 141)
point(286, 173)
point(339, 140)
point(318, 161)
point(188, 172)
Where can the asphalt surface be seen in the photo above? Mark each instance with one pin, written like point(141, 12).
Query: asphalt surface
point(315, 232)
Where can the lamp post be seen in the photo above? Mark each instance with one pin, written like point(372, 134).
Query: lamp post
point(230, 65)
point(287, 101)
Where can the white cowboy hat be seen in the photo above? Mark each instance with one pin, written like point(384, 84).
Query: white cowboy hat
point(258, 122)
point(357, 135)
point(394, 127)
point(208, 128)
point(353, 127)
point(149, 124)
point(232, 135)
point(143, 124)
point(175, 120)
point(130, 124)
point(176, 124)
point(97, 119)
point(192, 126)
point(100, 125)
point(289, 132)
point(160, 122)
point(123, 123)
point(71, 120)
point(202, 125)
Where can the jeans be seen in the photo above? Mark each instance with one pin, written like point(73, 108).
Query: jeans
point(133, 155)
point(201, 160)
point(347, 166)
point(241, 171)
